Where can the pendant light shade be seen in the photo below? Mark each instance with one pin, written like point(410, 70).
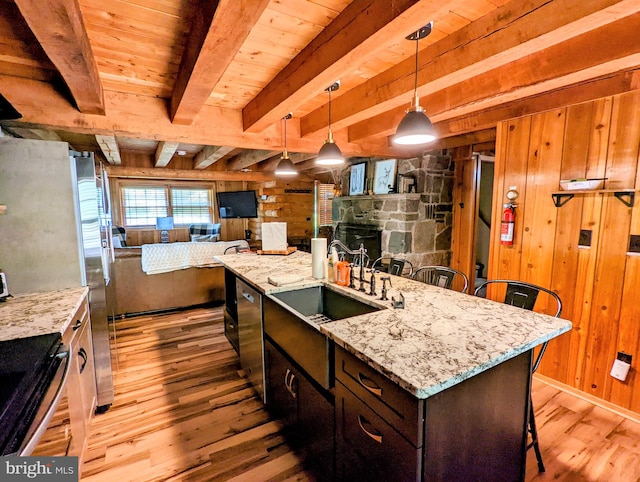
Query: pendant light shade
point(415, 128)
point(330, 154)
point(285, 166)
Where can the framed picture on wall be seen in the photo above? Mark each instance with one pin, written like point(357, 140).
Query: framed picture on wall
point(385, 176)
point(356, 183)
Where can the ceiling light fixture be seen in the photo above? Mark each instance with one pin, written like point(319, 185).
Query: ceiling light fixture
point(415, 128)
point(330, 154)
point(285, 166)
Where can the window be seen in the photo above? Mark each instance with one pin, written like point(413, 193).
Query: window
point(190, 206)
point(143, 204)
point(325, 201)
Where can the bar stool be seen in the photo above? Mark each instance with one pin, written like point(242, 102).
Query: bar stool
point(442, 276)
point(395, 266)
point(524, 295)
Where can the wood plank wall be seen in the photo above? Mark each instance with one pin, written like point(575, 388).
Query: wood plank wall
point(598, 284)
point(284, 201)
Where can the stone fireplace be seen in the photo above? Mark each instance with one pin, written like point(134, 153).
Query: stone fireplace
point(415, 226)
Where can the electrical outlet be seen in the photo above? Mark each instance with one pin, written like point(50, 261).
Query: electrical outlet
point(621, 366)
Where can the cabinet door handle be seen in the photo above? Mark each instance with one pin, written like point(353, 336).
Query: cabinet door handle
point(77, 325)
point(371, 386)
point(288, 382)
point(83, 354)
point(374, 436)
point(248, 297)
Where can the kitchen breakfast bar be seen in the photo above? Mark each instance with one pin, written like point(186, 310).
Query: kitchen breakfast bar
point(429, 384)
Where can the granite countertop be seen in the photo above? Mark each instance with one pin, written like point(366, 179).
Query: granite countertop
point(32, 314)
point(441, 338)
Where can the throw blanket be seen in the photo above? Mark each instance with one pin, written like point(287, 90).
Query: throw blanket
point(161, 258)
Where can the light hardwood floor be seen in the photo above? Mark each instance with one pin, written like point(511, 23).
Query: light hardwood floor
point(183, 411)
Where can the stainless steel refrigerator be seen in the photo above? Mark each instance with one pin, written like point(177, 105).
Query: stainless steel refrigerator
point(53, 234)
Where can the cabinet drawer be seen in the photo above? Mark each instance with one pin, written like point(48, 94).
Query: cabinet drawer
point(368, 448)
point(401, 409)
point(79, 320)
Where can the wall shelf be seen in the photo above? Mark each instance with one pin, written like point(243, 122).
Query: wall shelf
point(626, 196)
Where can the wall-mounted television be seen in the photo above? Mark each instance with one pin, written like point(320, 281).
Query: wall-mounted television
point(237, 204)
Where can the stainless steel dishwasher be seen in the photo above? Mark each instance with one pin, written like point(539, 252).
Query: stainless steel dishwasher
point(250, 338)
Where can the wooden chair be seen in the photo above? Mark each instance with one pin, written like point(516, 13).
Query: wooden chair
point(524, 295)
point(442, 276)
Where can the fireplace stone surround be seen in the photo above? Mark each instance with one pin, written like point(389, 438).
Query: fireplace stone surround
point(414, 226)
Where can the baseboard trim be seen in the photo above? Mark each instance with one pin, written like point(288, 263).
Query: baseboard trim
point(623, 412)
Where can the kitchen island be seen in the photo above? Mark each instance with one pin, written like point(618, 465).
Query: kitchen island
point(445, 380)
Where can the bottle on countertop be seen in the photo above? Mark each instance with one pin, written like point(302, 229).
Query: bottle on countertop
point(330, 268)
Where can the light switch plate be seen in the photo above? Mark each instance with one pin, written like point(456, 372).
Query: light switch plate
point(620, 370)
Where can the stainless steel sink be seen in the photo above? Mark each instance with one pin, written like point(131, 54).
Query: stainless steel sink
point(321, 304)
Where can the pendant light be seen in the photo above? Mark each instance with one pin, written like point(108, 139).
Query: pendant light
point(285, 166)
point(330, 154)
point(415, 128)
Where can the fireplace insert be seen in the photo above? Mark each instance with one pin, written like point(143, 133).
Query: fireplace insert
point(352, 235)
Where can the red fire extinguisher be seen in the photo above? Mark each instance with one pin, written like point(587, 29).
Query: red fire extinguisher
point(508, 223)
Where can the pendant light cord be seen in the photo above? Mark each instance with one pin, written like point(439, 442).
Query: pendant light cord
point(415, 85)
point(330, 109)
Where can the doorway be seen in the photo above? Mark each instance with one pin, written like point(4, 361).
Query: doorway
point(485, 165)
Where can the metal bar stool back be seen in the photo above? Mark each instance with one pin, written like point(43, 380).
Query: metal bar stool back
point(525, 295)
point(443, 277)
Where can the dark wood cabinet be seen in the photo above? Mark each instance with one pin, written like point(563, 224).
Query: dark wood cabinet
point(474, 430)
point(307, 412)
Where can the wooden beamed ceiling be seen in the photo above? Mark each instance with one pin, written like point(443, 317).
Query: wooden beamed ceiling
point(212, 80)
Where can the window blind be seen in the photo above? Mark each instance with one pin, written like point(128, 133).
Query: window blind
point(142, 205)
point(190, 206)
point(325, 201)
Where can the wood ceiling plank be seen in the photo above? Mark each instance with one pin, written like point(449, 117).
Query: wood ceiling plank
point(109, 147)
point(216, 36)
point(117, 9)
point(63, 36)
point(165, 152)
point(360, 31)
point(210, 155)
point(514, 31)
point(98, 19)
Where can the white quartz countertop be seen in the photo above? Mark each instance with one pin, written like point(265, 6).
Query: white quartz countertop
point(32, 314)
point(439, 339)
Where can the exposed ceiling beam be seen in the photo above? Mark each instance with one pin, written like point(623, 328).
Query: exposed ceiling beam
point(511, 32)
point(183, 174)
point(109, 147)
point(165, 152)
point(469, 139)
point(218, 31)
point(554, 67)
point(249, 158)
point(210, 155)
point(354, 34)
point(296, 158)
point(59, 27)
point(605, 86)
point(34, 133)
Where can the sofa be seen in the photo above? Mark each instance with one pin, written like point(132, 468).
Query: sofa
point(132, 291)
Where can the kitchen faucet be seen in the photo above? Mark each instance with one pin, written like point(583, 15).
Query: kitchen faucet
point(361, 252)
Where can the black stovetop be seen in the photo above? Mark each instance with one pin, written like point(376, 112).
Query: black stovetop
point(27, 366)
